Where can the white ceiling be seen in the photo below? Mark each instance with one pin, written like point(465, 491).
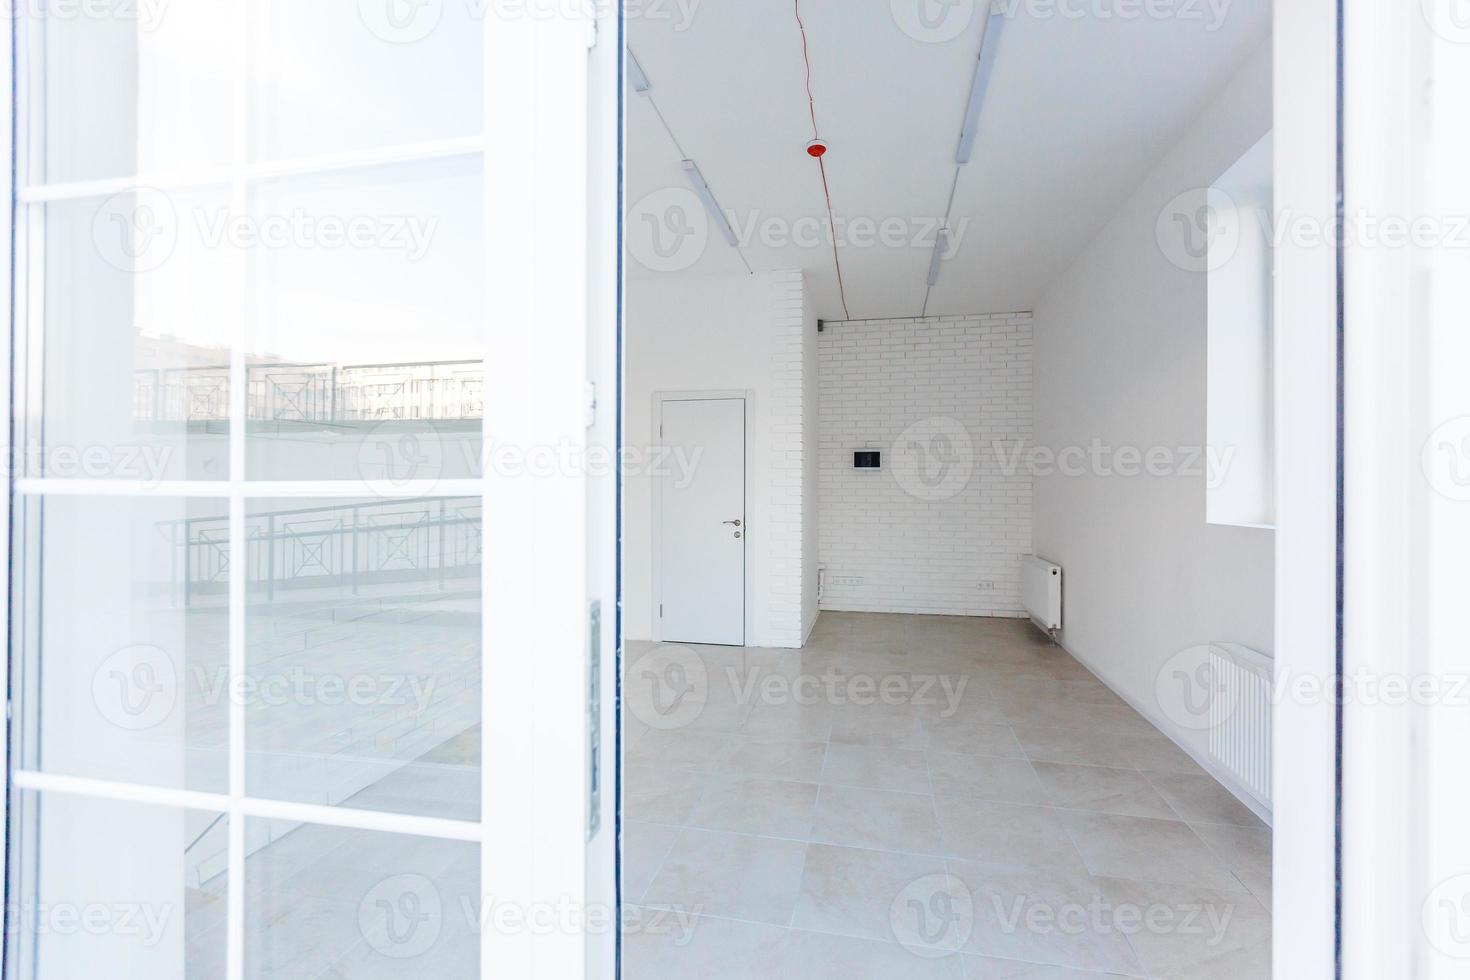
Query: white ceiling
point(1077, 112)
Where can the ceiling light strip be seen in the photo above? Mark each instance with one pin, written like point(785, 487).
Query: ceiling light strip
point(821, 162)
point(641, 84)
point(707, 196)
point(989, 44)
point(979, 84)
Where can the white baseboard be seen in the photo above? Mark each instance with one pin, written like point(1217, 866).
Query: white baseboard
point(1216, 772)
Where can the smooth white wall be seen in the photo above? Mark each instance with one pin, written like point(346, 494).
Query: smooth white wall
point(942, 526)
point(1120, 358)
point(719, 334)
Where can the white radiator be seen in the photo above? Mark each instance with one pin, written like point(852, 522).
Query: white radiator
point(1041, 591)
point(1240, 716)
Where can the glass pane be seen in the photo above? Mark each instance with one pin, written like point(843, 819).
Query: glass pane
point(136, 346)
point(131, 88)
point(124, 652)
point(123, 890)
point(338, 77)
point(363, 628)
point(366, 333)
point(330, 902)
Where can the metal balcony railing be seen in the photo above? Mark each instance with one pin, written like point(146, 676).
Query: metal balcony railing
point(349, 545)
point(438, 390)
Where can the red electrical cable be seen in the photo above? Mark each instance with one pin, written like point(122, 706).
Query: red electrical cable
point(821, 163)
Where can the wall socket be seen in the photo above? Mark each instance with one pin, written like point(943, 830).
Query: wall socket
point(987, 585)
point(846, 580)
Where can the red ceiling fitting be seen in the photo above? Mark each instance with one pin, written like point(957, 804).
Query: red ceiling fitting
point(817, 149)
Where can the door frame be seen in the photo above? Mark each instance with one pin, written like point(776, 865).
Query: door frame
point(1307, 733)
point(655, 439)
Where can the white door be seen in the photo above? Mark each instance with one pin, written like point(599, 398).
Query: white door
point(295, 596)
point(702, 531)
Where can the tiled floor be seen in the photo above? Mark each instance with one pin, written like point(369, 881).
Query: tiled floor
point(915, 796)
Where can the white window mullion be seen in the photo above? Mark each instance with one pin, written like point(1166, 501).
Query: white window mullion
point(239, 564)
point(386, 156)
point(288, 811)
point(282, 489)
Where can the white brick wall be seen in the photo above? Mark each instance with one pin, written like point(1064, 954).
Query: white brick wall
point(789, 503)
point(921, 536)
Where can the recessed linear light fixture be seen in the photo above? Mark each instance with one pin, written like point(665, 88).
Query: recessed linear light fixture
point(941, 242)
point(691, 170)
point(989, 43)
point(637, 75)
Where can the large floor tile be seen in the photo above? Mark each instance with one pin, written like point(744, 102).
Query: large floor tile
point(1042, 916)
point(817, 956)
point(661, 794)
point(1193, 933)
point(756, 805)
point(1114, 719)
point(986, 777)
point(777, 759)
point(1157, 753)
point(1246, 851)
point(855, 892)
point(989, 968)
point(732, 876)
point(1029, 836)
point(971, 737)
point(1122, 791)
point(1072, 747)
point(1202, 798)
point(973, 706)
point(899, 770)
point(700, 947)
point(1142, 849)
point(645, 845)
point(1042, 685)
point(700, 751)
point(858, 817)
point(788, 719)
point(889, 726)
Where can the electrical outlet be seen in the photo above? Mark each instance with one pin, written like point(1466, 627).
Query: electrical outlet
point(847, 580)
point(987, 586)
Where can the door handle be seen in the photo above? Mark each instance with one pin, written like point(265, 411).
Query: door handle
point(735, 522)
